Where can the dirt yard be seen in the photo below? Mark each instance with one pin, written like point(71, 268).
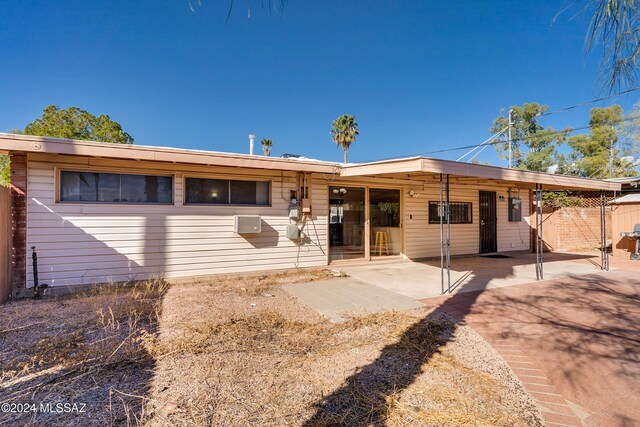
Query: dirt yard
point(239, 350)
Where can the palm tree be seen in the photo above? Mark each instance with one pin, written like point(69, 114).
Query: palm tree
point(615, 24)
point(345, 130)
point(266, 146)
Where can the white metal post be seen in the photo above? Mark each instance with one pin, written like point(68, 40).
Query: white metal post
point(509, 138)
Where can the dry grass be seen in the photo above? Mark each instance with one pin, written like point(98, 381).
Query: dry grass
point(82, 348)
point(244, 352)
point(239, 350)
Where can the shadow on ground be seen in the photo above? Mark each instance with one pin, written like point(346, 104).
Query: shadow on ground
point(583, 330)
point(84, 350)
point(365, 398)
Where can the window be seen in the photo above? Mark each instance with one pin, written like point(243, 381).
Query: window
point(459, 213)
point(98, 187)
point(201, 191)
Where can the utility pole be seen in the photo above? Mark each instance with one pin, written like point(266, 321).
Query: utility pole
point(509, 138)
point(611, 162)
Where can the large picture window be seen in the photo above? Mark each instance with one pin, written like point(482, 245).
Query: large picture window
point(98, 187)
point(204, 191)
point(459, 213)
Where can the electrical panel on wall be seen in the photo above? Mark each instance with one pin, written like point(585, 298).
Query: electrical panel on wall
point(515, 209)
point(304, 184)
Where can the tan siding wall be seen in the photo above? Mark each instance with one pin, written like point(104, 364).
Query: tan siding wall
point(84, 244)
point(624, 218)
point(423, 239)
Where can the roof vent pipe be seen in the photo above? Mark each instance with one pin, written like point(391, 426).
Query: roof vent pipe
point(252, 139)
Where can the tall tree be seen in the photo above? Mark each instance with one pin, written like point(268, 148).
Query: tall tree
point(615, 24)
point(597, 154)
point(4, 171)
point(75, 123)
point(345, 131)
point(72, 123)
point(533, 146)
point(630, 138)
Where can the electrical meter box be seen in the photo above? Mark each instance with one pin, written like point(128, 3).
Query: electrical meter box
point(306, 206)
point(294, 209)
point(515, 209)
point(293, 232)
point(247, 224)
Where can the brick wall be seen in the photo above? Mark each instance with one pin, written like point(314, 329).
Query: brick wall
point(6, 243)
point(19, 219)
point(579, 228)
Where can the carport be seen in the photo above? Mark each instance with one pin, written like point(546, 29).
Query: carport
point(418, 173)
point(419, 280)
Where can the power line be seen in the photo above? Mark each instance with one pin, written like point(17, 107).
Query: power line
point(572, 107)
point(524, 138)
point(593, 101)
point(486, 141)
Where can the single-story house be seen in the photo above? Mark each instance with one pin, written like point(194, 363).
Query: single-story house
point(99, 212)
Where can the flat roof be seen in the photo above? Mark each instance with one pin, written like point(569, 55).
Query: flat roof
point(629, 198)
point(414, 167)
point(37, 144)
point(417, 167)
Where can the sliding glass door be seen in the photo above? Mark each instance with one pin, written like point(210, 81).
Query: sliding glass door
point(384, 211)
point(346, 223)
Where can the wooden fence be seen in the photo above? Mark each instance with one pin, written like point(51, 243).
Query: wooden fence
point(5, 243)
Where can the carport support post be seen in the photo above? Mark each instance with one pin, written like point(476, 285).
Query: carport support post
point(604, 255)
point(539, 241)
point(440, 211)
point(447, 215)
point(445, 239)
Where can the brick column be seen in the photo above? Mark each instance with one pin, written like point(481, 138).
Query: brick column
point(19, 219)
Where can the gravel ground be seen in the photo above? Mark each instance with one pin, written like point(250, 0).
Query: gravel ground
point(239, 350)
point(244, 352)
point(85, 352)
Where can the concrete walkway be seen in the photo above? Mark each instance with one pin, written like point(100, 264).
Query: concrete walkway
point(339, 298)
point(574, 343)
point(422, 279)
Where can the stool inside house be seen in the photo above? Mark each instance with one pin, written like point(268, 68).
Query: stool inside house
point(382, 241)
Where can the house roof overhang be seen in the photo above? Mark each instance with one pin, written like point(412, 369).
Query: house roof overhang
point(10, 143)
point(421, 168)
point(415, 169)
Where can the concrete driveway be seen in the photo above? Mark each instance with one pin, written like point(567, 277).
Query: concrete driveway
point(574, 342)
point(422, 279)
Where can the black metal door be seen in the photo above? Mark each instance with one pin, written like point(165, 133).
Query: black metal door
point(488, 220)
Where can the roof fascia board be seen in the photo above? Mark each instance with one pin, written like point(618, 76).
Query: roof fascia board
point(30, 144)
point(385, 167)
point(437, 166)
point(514, 175)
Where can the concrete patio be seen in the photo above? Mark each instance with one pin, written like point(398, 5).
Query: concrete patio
point(420, 280)
point(339, 298)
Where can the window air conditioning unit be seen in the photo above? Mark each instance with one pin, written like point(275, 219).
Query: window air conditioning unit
point(247, 224)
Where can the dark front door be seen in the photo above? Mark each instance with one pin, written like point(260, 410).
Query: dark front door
point(488, 219)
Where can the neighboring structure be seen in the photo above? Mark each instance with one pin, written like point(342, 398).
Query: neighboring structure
point(99, 212)
point(628, 185)
point(625, 212)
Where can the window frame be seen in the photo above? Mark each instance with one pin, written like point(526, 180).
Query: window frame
point(437, 219)
point(58, 186)
point(228, 178)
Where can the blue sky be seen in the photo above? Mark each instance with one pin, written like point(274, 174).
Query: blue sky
point(419, 75)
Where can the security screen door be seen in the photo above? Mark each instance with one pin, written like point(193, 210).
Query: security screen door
point(488, 222)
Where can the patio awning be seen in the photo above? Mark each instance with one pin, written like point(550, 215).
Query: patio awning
point(425, 169)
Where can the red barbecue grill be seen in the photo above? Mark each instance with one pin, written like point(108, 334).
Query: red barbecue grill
point(635, 234)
